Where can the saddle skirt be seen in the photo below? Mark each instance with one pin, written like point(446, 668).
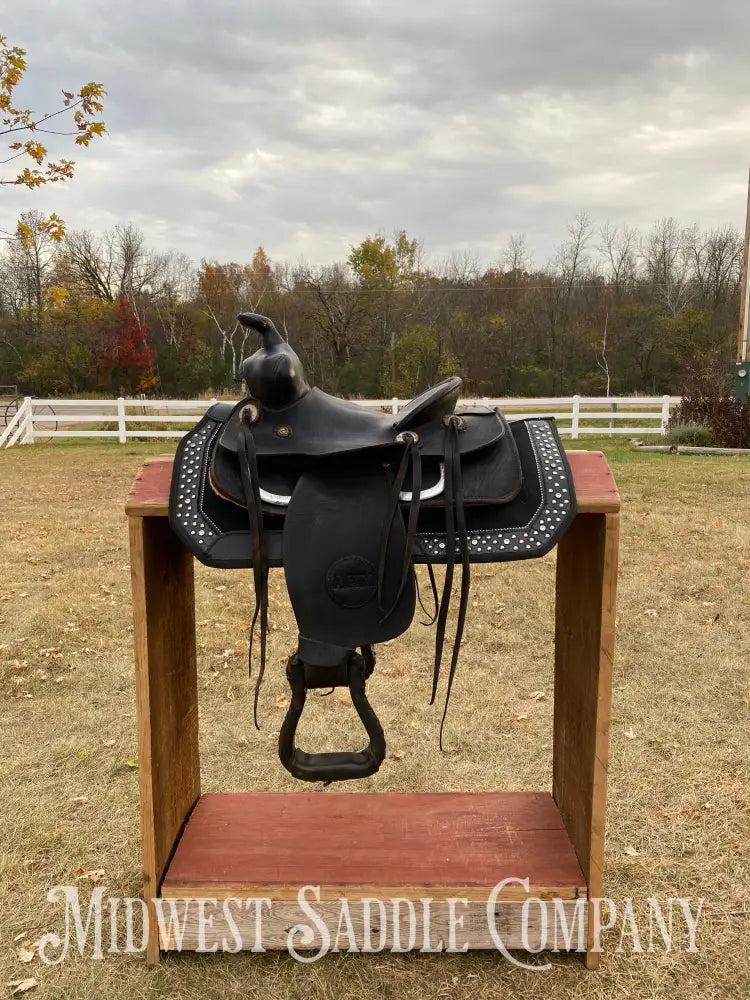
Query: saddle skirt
point(348, 501)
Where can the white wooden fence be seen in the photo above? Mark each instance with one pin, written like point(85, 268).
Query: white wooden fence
point(43, 419)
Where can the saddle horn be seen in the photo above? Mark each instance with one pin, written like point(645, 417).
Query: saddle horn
point(268, 332)
point(274, 374)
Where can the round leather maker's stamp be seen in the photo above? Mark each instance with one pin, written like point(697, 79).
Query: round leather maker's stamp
point(351, 581)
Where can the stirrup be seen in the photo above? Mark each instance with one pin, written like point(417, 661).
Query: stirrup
point(349, 669)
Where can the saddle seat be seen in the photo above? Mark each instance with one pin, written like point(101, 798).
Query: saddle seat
point(295, 426)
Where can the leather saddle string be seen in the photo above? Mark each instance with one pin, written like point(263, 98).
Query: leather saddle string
point(463, 543)
point(251, 486)
point(455, 525)
point(431, 615)
point(410, 456)
point(450, 561)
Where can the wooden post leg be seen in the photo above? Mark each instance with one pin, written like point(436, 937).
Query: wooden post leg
point(586, 592)
point(166, 685)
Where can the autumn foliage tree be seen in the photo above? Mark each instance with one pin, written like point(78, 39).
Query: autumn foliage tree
point(125, 360)
point(77, 116)
point(105, 311)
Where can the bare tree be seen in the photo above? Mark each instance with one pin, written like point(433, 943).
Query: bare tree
point(116, 263)
point(667, 255)
point(334, 306)
point(601, 356)
point(460, 269)
point(619, 248)
point(717, 262)
point(516, 258)
point(176, 287)
point(568, 265)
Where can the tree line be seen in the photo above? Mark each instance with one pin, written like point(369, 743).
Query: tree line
point(613, 311)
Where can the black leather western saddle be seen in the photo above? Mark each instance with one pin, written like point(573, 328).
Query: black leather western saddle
point(347, 500)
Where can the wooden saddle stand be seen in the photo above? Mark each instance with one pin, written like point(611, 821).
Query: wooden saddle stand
point(376, 845)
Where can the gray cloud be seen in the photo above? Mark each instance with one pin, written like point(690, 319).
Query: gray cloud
point(305, 126)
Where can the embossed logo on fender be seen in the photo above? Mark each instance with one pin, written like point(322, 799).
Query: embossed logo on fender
point(351, 582)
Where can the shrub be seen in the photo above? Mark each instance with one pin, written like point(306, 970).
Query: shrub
point(727, 420)
point(695, 435)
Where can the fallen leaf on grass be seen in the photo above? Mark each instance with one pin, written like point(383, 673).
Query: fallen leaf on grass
point(538, 695)
point(397, 755)
point(132, 762)
point(80, 800)
point(521, 716)
point(90, 875)
point(631, 852)
point(415, 724)
point(25, 955)
point(281, 701)
point(22, 985)
point(651, 612)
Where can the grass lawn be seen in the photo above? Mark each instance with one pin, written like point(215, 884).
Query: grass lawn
point(678, 817)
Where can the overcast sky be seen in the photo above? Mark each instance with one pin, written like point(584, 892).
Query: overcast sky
point(305, 126)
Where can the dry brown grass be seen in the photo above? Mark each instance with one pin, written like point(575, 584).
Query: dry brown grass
point(681, 668)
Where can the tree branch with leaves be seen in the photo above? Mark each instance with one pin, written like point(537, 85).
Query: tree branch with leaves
point(78, 116)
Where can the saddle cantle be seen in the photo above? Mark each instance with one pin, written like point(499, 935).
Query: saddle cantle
point(348, 500)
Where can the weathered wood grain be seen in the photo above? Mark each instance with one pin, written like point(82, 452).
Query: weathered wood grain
point(166, 693)
point(400, 923)
point(586, 590)
point(375, 844)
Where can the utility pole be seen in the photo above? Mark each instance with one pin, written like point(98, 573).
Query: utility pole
point(742, 366)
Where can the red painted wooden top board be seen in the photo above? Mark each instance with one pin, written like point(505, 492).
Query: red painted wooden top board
point(596, 490)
